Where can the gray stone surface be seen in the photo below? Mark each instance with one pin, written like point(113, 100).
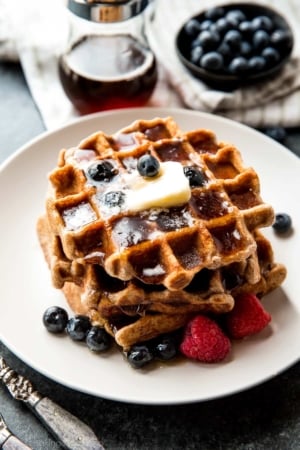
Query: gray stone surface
point(266, 417)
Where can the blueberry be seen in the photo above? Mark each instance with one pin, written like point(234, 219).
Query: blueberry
point(196, 54)
point(283, 223)
point(208, 40)
point(148, 165)
point(195, 176)
point(271, 56)
point(206, 24)
point(233, 38)
point(235, 17)
point(225, 50)
point(55, 319)
point(214, 13)
point(245, 48)
point(102, 171)
point(281, 39)
point(276, 133)
point(78, 327)
point(246, 28)
point(222, 25)
point(260, 39)
point(192, 27)
point(212, 61)
point(166, 348)
point(256, 64)
point(139, 355)
point(97, 339)
point(262, 23)
point(238, 66)
point(114, 198)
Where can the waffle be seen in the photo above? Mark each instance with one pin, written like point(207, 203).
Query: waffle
point(133, 312)
point(156, 246)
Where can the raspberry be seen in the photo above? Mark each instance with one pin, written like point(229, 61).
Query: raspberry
point(205, 341)
point(247, 317)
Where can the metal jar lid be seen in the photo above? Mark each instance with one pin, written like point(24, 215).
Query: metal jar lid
point(107, 11)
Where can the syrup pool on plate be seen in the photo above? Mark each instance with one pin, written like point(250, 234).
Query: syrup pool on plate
point(102, 72)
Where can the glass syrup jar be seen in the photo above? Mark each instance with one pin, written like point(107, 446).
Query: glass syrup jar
point(107, 63)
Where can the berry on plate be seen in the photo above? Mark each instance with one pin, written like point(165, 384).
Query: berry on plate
point(248, 317)
point(283, 223)
point(204, 341)
point(55, 319)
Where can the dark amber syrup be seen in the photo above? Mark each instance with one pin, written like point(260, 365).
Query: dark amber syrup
point(107, 72)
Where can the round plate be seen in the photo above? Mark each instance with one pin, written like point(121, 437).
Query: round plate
point(26, 289)
point(226, 81)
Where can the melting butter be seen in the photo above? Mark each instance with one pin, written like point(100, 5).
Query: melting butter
point(169, 188)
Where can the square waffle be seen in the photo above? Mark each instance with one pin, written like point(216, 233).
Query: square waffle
point(133, 312)
point(162, 246)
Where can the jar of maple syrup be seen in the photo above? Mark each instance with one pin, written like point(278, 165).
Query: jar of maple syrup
point(107, 63)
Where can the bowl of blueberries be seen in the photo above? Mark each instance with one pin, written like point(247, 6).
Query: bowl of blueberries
point(236, 44)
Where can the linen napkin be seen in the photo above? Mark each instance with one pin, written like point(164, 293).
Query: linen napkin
point(36, 35)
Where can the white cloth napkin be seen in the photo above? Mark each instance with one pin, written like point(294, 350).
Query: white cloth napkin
point(37, 34)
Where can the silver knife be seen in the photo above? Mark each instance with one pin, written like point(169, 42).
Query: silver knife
point(9, 441)
point(67, 429)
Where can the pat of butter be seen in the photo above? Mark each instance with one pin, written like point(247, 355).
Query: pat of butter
point(170, 188)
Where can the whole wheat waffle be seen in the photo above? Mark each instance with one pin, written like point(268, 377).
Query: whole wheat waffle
point(163, 246)
point(133, 312)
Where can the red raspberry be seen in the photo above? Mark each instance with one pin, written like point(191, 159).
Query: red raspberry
point(205, 341)
point(247, 317)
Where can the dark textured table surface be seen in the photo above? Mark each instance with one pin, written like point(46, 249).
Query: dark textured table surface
point(264, 417)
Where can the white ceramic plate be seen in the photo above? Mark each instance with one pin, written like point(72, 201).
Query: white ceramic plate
point(26, 289)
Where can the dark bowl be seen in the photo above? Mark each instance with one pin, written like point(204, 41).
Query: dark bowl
point(221, 79)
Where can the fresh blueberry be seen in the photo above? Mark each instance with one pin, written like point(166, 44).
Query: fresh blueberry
point(271, 56)
point(139, 355)
point(281, 39)
point(225, 50)
point(212, 61)
point(238, 66)
point(196, 54)
point(208, 40)
point(245, 48)
point(195, 176)
point(256, 64)
point(166, 348)
point(97, 339)
point(192, 27)
point(148, 166)
point(260, 39)
point(276, 133)
point(233, 38)
point(206, 24)
point(114, 198)
point(214, 13)
point(283, 223)
point(262, 23)
point(55, 319)
point(102, 171)
point(78, 327)
point(222, 25)
point(246, 28)
point(235, 17)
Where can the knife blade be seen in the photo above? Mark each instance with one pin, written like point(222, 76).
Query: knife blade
point(68, 430)
point(8, 441)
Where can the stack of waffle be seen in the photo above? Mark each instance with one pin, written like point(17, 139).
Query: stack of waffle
point(142, 273)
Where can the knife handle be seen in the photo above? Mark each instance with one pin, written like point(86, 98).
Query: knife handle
point(13, 443)
point(71, 432)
